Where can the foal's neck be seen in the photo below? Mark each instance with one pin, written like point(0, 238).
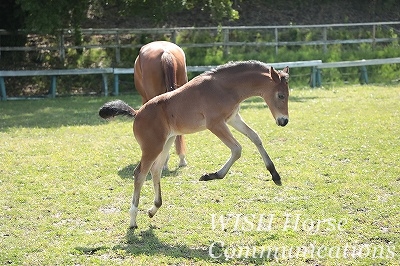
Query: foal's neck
point(249, 83)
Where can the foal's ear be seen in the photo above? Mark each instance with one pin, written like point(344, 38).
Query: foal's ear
point(274, 75)
point(286, 69)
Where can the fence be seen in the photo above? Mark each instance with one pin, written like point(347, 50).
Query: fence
point(316, 77)
point(115, 71)
point(53, 74)
point(119, 36)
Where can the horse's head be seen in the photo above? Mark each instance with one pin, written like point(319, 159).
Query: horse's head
point(277, 96)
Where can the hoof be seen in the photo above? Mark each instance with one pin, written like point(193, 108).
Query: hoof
point(277, 179)
point(150, 214)
point(133, 226)
point(277, 182)
point(208, 177)
point(182, 163)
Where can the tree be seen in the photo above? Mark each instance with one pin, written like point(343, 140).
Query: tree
point(50, 16)
point(53, 15)
point(159, 10)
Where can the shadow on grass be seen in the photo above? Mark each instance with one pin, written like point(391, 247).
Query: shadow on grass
point(146, 243)
point(259, 103)
point(127, 172)
point(73, 111)
point(301, 99)
point(53, 113)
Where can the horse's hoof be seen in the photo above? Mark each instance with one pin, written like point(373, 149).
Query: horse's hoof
point(133, 226)
point(205, 177)
point(182, 163)
point(208, 177)
point(277, 182)
point(277, 179)
point(150, 214)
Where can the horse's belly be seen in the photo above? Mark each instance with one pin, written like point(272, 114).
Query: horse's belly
point(189, 125)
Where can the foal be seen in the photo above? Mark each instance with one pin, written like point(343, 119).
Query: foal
point(161, 67)
point(209, 101)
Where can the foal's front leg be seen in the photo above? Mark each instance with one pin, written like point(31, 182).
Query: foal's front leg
point(238, 123)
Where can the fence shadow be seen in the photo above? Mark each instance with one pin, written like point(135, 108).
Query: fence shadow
point(301, 99)
point(73, 111)
point(259, 103)
point(58, 112)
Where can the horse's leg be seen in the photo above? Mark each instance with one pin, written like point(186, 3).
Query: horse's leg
point(165, 166)
point(140, 174)
point(151, 150)
point(222, 131)
point(156, 170)
point(180, 150)
point(238, 123)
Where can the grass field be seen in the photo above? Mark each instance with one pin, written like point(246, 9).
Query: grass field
point(66, 186)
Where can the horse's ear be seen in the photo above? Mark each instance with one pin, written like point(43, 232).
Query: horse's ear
point(274, 75)
point(286, 69)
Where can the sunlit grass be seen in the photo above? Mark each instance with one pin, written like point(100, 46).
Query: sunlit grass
point(66, 185)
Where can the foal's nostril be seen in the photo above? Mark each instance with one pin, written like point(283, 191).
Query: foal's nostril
point(282, 121)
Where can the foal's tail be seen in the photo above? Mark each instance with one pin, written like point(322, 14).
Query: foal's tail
point(115, 108)
point(169, 70)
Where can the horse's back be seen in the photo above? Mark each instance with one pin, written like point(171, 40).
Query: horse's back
point(149, 75)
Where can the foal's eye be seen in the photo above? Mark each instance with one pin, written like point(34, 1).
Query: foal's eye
point(281, 96)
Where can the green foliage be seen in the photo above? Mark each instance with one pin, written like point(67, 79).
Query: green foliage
point(51, 16)
point(159, 10)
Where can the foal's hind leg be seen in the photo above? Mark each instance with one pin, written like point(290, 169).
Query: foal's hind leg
point(222, 131)
point(156, 170)
point(149, 156)
point(140, 174)
point(238, 123)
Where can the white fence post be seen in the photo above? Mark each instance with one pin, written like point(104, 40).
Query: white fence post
point(62, 47)
point(226, 41)
point(325, 38)
point(117, 49)
point(276, 41)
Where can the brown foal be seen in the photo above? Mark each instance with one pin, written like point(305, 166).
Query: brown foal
point(209, 101)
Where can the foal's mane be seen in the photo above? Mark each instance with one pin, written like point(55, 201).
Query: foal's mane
point(238, 66)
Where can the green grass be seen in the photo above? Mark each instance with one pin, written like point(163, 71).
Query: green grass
point(66, 186)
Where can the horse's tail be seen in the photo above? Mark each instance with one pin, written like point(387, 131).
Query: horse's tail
point(115, 108)
point(169, 70)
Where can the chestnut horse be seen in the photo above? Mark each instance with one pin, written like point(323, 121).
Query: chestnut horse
point(209, 101)
point(161, 67)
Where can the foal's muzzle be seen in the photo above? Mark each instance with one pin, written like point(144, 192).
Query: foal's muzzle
point(282, 121)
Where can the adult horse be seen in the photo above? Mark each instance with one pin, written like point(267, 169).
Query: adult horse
point(209, 101)
point(161, 67)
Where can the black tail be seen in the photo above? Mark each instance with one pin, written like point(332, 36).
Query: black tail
point(117, 107)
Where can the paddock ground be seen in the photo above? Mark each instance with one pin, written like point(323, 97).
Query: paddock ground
point(66, 185)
